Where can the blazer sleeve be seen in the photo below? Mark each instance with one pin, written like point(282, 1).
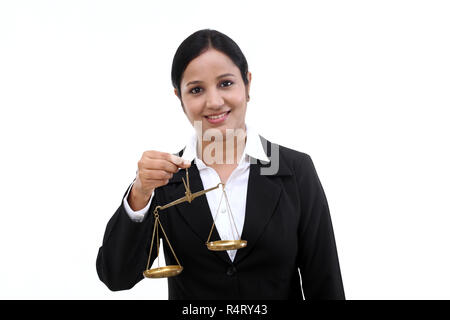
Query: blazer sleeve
point(123, 256)
point(317, 257)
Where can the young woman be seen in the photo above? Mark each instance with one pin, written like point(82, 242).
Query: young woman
point(277, 202)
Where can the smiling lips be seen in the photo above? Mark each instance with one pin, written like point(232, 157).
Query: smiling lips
point(218, 118)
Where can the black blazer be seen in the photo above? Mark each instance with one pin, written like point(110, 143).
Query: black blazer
point(287, 227)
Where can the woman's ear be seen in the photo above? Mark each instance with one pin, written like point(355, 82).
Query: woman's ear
point(176, 93)
point(247, 86)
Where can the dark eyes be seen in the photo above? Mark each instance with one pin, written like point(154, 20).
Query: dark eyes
point(196, 89)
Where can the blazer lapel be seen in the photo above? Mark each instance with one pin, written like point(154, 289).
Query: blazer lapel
point(262, 198)
point(263, 195)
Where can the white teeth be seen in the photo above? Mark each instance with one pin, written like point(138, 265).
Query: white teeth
point(217, 117)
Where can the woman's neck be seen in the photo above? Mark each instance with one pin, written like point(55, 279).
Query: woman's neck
point(227, 150)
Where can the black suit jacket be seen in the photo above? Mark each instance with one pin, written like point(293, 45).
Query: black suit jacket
point(287, 227)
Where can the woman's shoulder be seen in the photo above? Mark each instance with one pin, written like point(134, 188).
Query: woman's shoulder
point(292, 156)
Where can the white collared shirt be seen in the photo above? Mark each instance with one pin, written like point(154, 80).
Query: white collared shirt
point(235, 188)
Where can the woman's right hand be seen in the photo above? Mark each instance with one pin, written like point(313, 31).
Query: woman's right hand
point(155, 168)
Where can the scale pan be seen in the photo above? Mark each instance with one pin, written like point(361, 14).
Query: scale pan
point(222, 245)
point(163, 272)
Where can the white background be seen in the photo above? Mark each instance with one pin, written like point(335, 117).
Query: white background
point(361, 86)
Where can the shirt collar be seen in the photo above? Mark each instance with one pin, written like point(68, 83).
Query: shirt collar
point(253, 148)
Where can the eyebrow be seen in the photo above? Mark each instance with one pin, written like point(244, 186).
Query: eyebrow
point(221, 76)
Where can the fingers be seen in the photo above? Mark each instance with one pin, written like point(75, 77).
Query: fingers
point(158, 164)
point(156, 168)
point(175, 160)
point(152, 174)
point(180, 162)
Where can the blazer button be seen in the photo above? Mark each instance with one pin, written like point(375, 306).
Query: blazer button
point(231, 271)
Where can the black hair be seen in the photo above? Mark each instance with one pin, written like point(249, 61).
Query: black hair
point(199, 42)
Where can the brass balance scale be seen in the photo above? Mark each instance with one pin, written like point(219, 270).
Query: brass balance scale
point(220, 245)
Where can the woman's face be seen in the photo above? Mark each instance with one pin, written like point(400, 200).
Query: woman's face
point(213, 92)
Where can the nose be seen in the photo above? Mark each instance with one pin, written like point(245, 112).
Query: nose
point(214, 99)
